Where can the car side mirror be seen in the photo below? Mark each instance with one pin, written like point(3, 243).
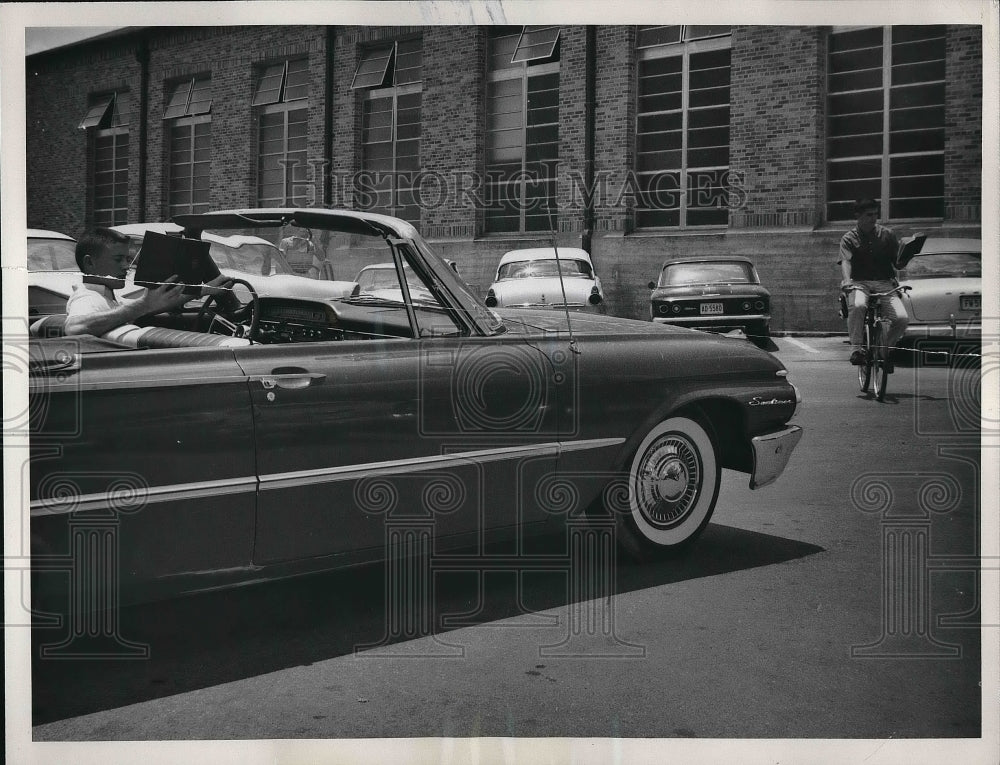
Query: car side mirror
point(652, 285)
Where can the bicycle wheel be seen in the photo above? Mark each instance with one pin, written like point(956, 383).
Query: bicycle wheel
point(865, 368)
point(881, 367)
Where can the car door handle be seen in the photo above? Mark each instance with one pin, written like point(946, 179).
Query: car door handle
point(289, 379)
point(62, 364)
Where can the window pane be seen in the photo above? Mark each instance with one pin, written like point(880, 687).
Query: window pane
point(409, 61)
point(96, 113)
point(648, 36)
point(178, 104)
point(269, 85)
point(372, 68)
point(201, 97)
point(297, 80)
point(537, 42)
point(501, 48)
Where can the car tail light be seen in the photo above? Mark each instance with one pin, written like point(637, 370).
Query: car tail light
point(675, 308)
point(595, 296)
point(491, 299)
point(746, 305)
point(759, 305)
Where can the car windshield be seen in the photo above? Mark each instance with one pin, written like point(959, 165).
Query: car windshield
point(725, 272)
point(51, 254)
point(360, 268)
point(533, 269)
point(943, 264)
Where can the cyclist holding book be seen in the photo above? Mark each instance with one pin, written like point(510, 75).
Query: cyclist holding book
point(868, 258)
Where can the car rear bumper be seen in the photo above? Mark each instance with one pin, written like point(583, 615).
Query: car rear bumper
point(958, 330)
point(714, 322)
point(771, 453)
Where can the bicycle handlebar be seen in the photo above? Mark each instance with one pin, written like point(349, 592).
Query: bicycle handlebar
point(893, 291)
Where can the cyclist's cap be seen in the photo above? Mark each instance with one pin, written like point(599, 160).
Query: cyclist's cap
point(865, 204)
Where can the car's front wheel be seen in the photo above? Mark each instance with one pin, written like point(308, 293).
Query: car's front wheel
point(673, 484)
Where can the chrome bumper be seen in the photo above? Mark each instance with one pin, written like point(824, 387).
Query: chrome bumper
point(771, 453)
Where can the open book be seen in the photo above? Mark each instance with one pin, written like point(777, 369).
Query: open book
point(164, 255)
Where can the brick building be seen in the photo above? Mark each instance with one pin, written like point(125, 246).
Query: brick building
point(746, 140)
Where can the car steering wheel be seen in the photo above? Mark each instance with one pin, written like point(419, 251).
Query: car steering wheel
point(230, 322)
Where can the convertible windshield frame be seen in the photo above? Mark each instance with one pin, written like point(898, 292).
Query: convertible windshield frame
point(399, 236)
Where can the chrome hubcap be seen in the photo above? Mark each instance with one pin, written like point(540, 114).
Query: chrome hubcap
point(669, 480)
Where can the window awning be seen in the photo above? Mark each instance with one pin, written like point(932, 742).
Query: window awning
point(535, 42)
point(190, 97)
point(99, 112)
point(373, 66)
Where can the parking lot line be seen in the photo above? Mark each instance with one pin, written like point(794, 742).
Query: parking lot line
point(800, 344)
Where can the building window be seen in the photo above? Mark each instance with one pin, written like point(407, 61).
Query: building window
point(281, 95)
point(390, 128)
point(190, 146)
point(682, 137)
point(522, 129)
point(885, 120)
point(106, 123)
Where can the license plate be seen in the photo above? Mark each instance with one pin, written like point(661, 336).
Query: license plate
point(715, 308)
point(971, 302)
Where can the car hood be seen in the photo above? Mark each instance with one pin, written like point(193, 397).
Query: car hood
point(542, 291)
point(532, 321)
point(527, 320)
point(708, 290)
point(938, 299)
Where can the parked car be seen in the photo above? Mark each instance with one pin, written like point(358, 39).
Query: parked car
point(530, 279)
point(52, 271)
point(945, 298)
point(248, 257)
point(380, 281)
point(714, 293)
point(309, 433)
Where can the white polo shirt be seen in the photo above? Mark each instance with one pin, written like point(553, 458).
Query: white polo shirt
point(95, 298)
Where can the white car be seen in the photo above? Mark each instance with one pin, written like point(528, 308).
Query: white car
point(945, 299)
point(531, 279)
point(251, 258)
point(52, 271)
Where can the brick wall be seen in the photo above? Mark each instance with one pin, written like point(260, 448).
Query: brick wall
point(963, 124)
point(776, 138)
point(58, 90)
point(776, 114)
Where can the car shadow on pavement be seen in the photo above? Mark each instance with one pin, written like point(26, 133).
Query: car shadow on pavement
point(212, 638)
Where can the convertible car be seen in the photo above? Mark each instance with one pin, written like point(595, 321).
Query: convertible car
point(299, 434)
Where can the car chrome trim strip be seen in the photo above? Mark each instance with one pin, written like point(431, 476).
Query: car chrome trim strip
point(420, 464)
point(131, 498)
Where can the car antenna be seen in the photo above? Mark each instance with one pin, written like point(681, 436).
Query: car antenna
point(569, 325)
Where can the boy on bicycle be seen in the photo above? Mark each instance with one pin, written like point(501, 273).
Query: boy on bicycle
point(868, 257)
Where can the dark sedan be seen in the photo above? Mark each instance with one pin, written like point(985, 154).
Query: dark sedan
point(302, 433)
point(714, 293)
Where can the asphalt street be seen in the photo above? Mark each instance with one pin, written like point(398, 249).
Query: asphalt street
point(839, 603)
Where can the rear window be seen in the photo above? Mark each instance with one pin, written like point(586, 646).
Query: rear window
point(51, 254)
point(943, 264)
point(726, 272)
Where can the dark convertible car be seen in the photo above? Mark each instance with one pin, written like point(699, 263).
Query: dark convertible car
point(300, 433)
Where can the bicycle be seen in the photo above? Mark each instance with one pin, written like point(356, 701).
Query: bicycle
point(877, 365)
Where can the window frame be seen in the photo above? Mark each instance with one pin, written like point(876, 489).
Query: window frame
point(191, 207)
point(683, 48)
point(523, 71)
point(283, 105)
point(886, 134)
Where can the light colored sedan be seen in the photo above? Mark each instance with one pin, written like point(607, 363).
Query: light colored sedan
point(946, 292)
point(531, 279)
